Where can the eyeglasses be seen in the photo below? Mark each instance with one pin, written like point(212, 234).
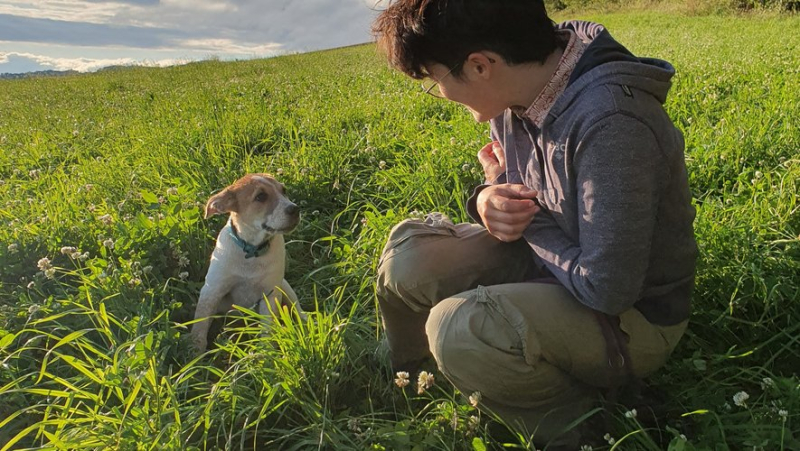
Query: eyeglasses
point(431, 86)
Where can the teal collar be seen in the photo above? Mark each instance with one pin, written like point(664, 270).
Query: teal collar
point(250, 250)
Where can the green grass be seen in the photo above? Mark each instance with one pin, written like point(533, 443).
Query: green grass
point(119, 164)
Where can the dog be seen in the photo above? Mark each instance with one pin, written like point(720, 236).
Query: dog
point(248, 263)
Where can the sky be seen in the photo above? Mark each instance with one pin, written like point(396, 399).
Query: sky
point(86, 35)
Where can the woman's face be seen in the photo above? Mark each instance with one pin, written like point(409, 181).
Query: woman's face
point(471, 89)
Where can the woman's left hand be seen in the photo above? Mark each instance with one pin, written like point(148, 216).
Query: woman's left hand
point(493, 159)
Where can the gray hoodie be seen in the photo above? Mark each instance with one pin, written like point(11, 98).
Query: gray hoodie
point(616, 222)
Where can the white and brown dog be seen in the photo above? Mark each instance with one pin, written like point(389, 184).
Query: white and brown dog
point(248, 263)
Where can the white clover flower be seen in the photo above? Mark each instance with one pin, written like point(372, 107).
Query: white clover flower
point(586, 448)
point(34, 173)
point(68, 250)
point(465, 167)
point(611, 440)
point(424, 381)
point(759, 174)
point(382, 164)
point(31, 284)
point(147, 269)
point(740, 399)
point(50, 273)
point(473, 423)
point(353, 425)
point(44, 264)
point(183, 276)
point(631, 413)
point(106, 219)
point(172, 191)
point(475, 399)
point(83, 257)
point(783, 413)
point(183, 262)
point(13, 248)
point(135, 282)
point(402, 379)
point(766, 383)
point(279, 171)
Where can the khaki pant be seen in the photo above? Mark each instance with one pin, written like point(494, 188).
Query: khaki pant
point(536, 355)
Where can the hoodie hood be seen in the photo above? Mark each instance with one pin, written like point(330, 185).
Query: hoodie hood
point(604, 59)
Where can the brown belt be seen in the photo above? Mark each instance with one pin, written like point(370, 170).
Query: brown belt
point(619, 358)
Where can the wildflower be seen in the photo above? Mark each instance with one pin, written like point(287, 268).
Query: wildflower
point(279, 171)
point(783, 413)
point(109, 243)
point(475, 399)
point(106, 219)
point(759, 174)
point(402, 379)
point(465, 167)
point(135, 282)
point(50, 273)
point(586, 448)
point(424, 381)
point(13, 248)
point(363, 221)
point(353, 425)
point(83, 257)
point(183, 262)
point(183, 276)
point(172, 191)
point(766, 383)
point(74, 133)
point(147, 269)
point(44, 264)
point(740, 399)
point(611, 440)
point(31, 284)
point(473, 423)
point(631, 413)
point(68, 250)
point(382, 164)
point(88, 187)
point(34, 173)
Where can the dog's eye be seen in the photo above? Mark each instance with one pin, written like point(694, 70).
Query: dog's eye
point(261, 197)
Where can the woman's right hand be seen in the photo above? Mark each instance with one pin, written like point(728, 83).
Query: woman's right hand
point(507, 210)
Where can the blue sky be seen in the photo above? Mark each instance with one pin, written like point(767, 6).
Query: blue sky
point(86, 35)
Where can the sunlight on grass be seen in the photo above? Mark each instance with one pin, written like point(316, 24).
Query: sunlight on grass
point(104, 249)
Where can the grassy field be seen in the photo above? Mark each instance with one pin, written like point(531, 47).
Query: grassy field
point(104, 249)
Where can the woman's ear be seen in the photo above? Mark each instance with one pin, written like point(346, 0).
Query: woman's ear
point(480, 64)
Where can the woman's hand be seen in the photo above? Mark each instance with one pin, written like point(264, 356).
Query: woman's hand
point(493, 159)
point(507, 210)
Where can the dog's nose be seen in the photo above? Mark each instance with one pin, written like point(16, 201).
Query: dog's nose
point(293, 210)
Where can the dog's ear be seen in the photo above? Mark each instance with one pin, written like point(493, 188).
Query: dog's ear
point(222, 202)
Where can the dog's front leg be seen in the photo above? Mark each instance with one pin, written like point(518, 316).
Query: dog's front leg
point(207, 305)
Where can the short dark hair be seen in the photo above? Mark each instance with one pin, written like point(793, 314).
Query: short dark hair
point(414, 33)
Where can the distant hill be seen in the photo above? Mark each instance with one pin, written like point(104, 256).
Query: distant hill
point(41, 73)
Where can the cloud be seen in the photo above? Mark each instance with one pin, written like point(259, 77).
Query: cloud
point(26, 29)
point(81, 64)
